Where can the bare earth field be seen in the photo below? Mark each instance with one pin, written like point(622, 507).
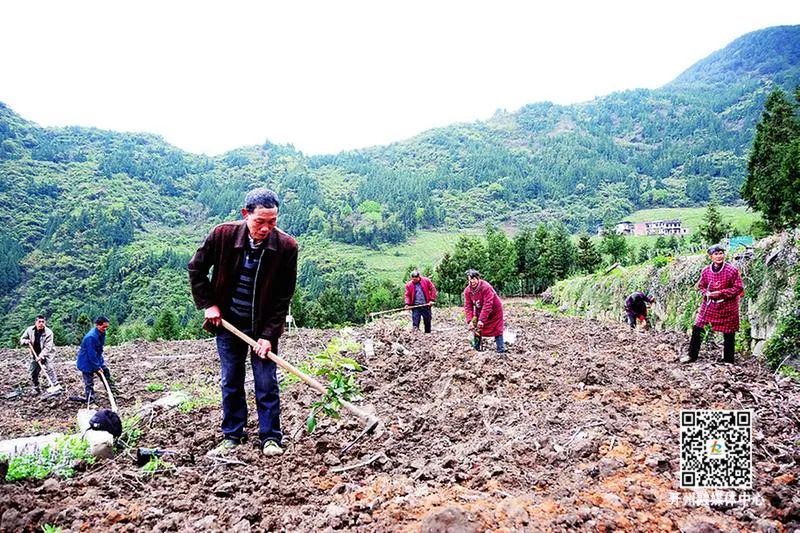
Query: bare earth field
point(576, 428)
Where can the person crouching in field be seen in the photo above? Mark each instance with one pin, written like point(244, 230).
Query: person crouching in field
point(636, 308)
point(482, 303)
point(721, 286)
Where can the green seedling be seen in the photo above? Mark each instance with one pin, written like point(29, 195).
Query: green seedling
point(340, 371)
point(131, 431)
point(50, 528)
point(201, 396)
point(58, 459)
point(156, 465)
point(155, 387)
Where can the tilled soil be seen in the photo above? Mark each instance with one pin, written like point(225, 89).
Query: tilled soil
point(577, 427)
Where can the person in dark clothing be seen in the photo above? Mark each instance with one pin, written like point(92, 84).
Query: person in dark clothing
point(420, 291)
point(636, 307)
point(721, 287)
point(253, 279)
point(40, 338)
point(90, 358)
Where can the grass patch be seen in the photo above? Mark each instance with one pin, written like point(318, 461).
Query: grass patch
point(58, 459)
point(201, 396)
point(155, 387)
point(692, 217)
point(155, 466)
point(425, 249)
point(131, 431)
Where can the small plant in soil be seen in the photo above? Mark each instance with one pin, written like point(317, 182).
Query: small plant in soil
point(50, 528)
point(340, 371)
point(155, 387)
point(131, 431)
point(156, 465)
point(59, 459)
point(202, 396)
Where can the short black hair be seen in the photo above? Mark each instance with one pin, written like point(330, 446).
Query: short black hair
point(472, 273)
point(40, 317)
point(101, 320)
point(261, 197)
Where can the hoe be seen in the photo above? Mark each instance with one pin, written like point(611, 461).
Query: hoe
point(53, 389)
point(370, 420)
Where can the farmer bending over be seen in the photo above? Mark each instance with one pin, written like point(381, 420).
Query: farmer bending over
point(40, 338)
point(252, 283)
point(482, 304)
point(636, 308)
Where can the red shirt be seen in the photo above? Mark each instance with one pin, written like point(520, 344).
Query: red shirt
point(484, 303)
point(428, 289)
point(722, 312)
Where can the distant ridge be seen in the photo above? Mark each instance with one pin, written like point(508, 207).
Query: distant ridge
point(756, 55)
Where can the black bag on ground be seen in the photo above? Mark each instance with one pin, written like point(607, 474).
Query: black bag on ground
point(107, 420)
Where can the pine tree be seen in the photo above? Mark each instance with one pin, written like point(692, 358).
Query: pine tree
point(614, 245)
point(713, 229)
point(772, 177)
point(644, 253)
point(588, 258)
point(501, 260)
point(561, 252)
point(166, 326)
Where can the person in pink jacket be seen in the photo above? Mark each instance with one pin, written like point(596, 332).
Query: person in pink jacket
point(721, 287)
point(482, 304)
point(420, 296)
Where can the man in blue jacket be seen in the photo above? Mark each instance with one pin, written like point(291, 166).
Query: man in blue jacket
point(90, 358)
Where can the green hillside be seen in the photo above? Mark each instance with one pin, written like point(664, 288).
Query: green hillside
point(95, 221)
point(691, 217)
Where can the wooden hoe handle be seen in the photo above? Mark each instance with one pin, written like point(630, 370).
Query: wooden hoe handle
point(371, 420)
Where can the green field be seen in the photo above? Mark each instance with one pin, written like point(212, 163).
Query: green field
point(740, 217)
point(427, 248)
point(423, 250)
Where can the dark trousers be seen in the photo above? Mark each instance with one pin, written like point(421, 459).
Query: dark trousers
point(36, 370)
point(88, 383)
point(729, 344)
point(425, 314)
point(233, 356)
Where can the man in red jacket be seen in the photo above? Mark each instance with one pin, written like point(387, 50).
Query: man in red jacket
point(482, 303)
point(253, 268)
point(420, 291)
point(721, 286)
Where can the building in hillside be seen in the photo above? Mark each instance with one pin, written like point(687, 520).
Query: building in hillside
point(655, 227)
point(665, 227)
point(624, 228)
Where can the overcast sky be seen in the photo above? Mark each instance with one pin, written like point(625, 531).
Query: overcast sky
point(333, 75)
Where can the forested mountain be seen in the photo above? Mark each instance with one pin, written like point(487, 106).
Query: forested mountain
point(95, 221)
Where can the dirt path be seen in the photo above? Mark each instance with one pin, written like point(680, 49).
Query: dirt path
point(577, 427)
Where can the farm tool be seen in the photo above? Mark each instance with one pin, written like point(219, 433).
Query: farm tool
point(370, 420)
point(475, 339)
point(396, 310)
point(13, 395)
point(54, 388)
point(108, 390)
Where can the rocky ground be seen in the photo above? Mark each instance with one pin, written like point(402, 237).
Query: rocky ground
point(577, 427)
